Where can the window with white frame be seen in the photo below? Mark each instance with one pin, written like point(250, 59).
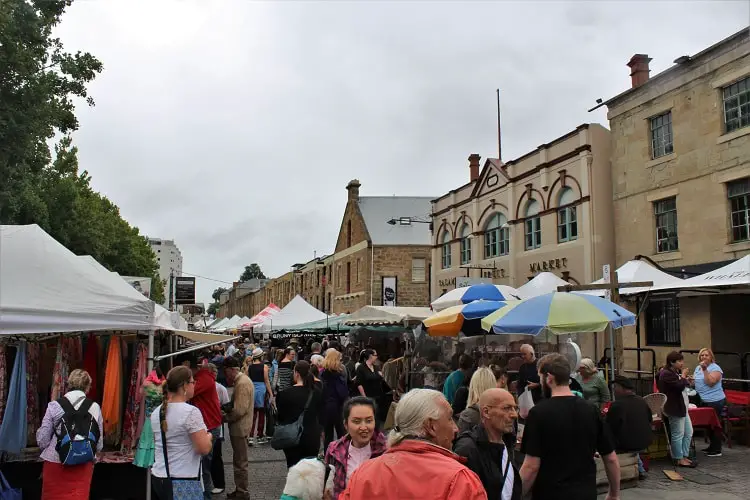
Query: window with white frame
point(567, 221)
point(465, 244)
point(736, 105)
point(661, 135)
point(739, 208)
point(665, 213)
point(418, 270)
point(533, 225)
point(496, 236)
point(446, 250)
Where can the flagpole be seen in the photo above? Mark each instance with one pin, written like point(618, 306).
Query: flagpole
point(499, 137)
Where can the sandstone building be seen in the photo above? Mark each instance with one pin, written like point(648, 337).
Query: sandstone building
point(549, 210)
point(681, 188)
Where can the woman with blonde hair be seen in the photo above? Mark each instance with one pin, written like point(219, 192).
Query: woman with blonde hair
point(483, 379)
point(593, 386)
point(708, 385)
point(335, 394)
point(69, 480)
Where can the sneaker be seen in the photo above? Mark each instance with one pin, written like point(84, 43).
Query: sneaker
point(706, 450)
point(216, 491)
point(642, 476)
point(712, 453)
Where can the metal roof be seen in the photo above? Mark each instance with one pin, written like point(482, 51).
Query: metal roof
point(378, 210)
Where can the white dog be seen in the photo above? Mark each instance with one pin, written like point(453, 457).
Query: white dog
point(305, 481)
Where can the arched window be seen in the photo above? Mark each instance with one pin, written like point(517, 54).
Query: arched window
point(496, 236)
point(567, 222)
point(465, 244)
point(446, 249)
point(533, 225)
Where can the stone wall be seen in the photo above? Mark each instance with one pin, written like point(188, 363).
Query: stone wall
point(397, 261)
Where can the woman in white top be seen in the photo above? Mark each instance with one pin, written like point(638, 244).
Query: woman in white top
point(187, 439)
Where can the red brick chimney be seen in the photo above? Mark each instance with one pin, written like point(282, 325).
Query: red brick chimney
point(353, 188)
point(474, 167)
point(639, 69)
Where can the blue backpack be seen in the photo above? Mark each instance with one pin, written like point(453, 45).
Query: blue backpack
point(78, 433)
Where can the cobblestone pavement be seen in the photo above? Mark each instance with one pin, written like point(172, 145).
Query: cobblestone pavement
point(268, 473)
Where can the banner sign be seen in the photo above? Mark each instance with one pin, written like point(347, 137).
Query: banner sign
point(143, 285)
point(390, 291)
point(184, 290)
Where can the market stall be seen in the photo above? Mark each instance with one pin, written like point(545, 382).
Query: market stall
point(298, 311)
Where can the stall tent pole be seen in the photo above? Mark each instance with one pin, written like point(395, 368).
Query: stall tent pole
point(149, 367)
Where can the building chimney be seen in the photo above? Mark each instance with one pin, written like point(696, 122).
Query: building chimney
point(639, 69)
point(474, 167)
point(353, 188)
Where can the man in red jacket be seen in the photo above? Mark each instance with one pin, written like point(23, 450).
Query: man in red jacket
point(206, 399)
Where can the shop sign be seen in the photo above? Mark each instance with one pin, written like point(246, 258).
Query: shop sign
point(184, 290)
point(548, 265)
point(447, 282)
point(389, 291)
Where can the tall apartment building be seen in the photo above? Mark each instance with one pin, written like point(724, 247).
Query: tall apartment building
point(681, 187)
point(170, 262)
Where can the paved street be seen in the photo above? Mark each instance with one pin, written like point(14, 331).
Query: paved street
point(268, 473)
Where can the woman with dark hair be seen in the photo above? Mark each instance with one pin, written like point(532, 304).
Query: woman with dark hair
point(673, 380)
point(187, 440)
point(301, 398)
point(362, 442)
point(369, 381)
point(284, 375)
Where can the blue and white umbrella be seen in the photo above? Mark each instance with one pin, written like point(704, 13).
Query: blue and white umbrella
point(482, 291)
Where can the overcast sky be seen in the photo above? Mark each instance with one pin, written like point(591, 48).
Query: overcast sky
point(233, 127)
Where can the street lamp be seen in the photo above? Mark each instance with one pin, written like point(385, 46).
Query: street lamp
point(408, 221)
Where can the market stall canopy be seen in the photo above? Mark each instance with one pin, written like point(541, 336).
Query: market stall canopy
point(735, 274)
point(331, 323)
point(231, 323)
point(198, 341)
point(296, 312)
point(639, 270)
point(219, 324)
point(46, 288)
point(542, 283)
point(268, 312)
point(481, 291)
point(387, 315)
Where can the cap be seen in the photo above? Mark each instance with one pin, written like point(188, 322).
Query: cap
point(624, 382)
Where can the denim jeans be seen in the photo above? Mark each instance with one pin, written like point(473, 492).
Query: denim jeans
point(680, 436)
point(715, 436)
point(208, 484)
point(641, 468)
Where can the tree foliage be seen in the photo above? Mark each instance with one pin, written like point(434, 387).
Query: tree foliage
point(213, 308)
point(39, 84)
point(217, 293)
point(252, 271)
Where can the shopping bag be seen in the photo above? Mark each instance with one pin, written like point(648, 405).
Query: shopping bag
point(8, 493)
point(525, 403)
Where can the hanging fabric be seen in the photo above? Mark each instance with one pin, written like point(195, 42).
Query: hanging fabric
point(13, 428)
point(90, 364)
point(111, 402)
point(131, 423)
point(154, 394)
point(3, 381)
point(60, 371)
point(34, 420)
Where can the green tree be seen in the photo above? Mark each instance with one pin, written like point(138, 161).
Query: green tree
point(252, 271)
point(217, 293)
point(213, 308)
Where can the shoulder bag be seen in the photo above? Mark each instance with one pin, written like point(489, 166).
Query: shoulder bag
point(288, 435)
point(164, 488)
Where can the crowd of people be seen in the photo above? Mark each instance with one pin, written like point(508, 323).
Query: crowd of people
point(462, 438)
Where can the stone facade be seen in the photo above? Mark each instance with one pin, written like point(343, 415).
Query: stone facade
point(570, 176)
point(690, 176)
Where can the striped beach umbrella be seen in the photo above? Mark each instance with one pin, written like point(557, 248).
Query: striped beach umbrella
point(463, 318)
point(482, 291)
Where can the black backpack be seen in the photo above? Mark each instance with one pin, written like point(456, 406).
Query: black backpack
point(77, 433)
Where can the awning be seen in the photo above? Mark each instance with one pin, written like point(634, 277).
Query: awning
point(201, 341)
point(385, 315)
point(332, 323)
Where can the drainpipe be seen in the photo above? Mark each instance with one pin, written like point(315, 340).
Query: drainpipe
point(372, 271)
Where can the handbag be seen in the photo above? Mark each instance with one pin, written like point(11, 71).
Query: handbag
point(288, 435)
point(8, 493)
point(163, 487)
point(525, 403)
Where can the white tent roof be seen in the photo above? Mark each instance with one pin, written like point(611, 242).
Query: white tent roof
point(45, 288)
point(387, 315)
point(542, 283)
point(232, 322)
point(736, 273)
point(218, 324)
point(296, 312)
point(639, 270)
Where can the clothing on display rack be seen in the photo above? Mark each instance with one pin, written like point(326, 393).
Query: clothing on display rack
point(112, 401)
point(3, 381)
point(152, 390)
point(91, 365)
point(392, 371)
point(13, 428)
point(34, 421)
point(131, 424)
point(60, 371)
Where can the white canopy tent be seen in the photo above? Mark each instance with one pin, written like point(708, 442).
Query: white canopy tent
point(639, 270)
point(219, 324)
point(387, 315)
point(735, 274)
point(231, 323)
point(542, 283)
point(296, 312)
point(46, 288)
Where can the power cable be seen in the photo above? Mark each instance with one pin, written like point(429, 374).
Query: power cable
point(205, 278)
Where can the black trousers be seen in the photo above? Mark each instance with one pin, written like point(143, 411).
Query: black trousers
point(333, 422)
point(217, 466)
point(715, 436)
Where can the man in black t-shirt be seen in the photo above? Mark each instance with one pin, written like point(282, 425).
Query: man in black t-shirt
point(561, 436)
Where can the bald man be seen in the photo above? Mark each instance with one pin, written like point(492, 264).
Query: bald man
point(488, 447)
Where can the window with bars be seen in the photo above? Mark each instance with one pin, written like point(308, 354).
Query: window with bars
point(567, 220)
point(418, 270)
point(739, 208)
point(446, 250)
point(736, 105)
point(663, 322)
point(496, 236)
point(533, 226)
point(665, 212)
point(661, 135)
point(465, 244)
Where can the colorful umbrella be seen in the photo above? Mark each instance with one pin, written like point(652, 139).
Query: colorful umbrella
point(482, 291)
point(558, 313)
point(449, 322)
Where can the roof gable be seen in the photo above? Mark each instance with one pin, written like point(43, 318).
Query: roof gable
point(493, 174)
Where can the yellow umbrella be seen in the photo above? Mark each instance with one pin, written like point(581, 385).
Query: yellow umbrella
point(449, 322)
